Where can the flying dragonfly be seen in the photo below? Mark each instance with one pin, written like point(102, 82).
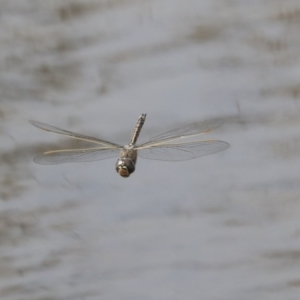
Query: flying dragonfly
point(160, 147)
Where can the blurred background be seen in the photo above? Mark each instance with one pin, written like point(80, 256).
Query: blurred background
point(224, 226)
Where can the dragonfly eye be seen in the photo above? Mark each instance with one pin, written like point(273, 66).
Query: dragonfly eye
point(125, 167)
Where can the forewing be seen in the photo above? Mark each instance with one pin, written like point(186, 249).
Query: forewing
point(184, 151)
point(72, 134)
point(185, 131)
point(76, 155)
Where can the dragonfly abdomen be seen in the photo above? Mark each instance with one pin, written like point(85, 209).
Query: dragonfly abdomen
point(137, 129)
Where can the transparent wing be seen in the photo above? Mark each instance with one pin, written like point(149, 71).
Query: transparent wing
point(185, 131)
point(73, 134)
point(184, 151)
point(75, 155)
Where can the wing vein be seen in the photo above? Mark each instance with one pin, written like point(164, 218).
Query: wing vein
point(183, 132)
point(182, 151)
point(74, 135)
point(75, 155)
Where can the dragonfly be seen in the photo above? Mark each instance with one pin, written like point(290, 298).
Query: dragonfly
point(160, 147)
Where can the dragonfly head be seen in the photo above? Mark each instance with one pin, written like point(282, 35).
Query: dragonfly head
point(125, 167)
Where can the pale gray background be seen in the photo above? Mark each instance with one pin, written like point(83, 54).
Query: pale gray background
point(223, 227)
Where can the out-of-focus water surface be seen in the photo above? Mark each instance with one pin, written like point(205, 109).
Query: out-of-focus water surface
point(225, 226)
